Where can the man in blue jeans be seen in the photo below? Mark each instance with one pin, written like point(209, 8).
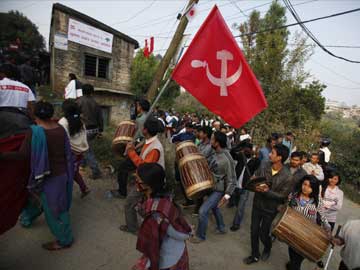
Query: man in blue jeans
point(223, 168)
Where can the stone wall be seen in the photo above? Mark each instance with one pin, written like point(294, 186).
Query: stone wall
point(118, 105)
point(72, 61)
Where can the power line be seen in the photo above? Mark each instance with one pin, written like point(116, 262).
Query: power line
point(146, 25)
point(335, 72)
point(172, 27)
point(297, 23)
point(136, 14)
point(160, 34)
point(311, 35)
point(336, 85)
point(163, 19)
point(236, 16)
point(197, 26)
point(343, 46)
point(289, 44)
point(237, 7)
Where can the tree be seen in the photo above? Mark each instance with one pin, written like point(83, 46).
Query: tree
point(345, 148)
point(14, 26)
point(292, 105)
point(185, 102)
point(170, 94)
point(142, 72)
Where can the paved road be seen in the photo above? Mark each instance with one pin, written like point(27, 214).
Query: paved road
point(101, 245)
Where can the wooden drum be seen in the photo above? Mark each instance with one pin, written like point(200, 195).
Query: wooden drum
point(196, 176)
point(185, 148)
point(307, 238)
point(124, 134)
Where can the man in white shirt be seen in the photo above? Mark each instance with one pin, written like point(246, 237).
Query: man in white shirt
point(244, 135)
point(15, 103)
point(314, 168)
point(324, 153)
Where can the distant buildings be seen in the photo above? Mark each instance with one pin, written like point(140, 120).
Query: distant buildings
point(341, 107)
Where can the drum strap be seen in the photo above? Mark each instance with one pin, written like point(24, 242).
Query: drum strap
point(246, 167)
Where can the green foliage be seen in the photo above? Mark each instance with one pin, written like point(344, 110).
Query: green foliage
point(345, 147)
point(45, 93)
point(185, 102)
point(15, 25)
point(292, 104)
point(142, 73)
point(171, 92)
point(102, 148)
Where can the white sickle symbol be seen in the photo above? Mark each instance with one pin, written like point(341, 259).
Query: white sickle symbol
point(223, 81)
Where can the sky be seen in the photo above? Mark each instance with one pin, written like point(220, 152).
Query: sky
point(142, 19)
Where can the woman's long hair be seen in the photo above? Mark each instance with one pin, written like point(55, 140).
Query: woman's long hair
point(329, 174)
point(72, 114)
point(314, 183)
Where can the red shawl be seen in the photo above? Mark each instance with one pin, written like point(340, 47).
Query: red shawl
point(151, 232)
point(13, 181)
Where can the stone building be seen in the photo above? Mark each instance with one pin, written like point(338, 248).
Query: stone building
point(96, 54)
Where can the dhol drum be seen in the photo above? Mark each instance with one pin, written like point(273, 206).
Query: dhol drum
point(196, 176)
point(185, 148)
point(124, 134)
point(307, 238)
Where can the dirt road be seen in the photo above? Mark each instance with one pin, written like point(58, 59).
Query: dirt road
point(99, 244)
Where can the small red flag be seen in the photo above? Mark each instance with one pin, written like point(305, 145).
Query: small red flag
point(148, 51)
point(216, 73)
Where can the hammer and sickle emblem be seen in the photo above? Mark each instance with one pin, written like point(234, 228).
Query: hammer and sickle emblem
point(223, 82)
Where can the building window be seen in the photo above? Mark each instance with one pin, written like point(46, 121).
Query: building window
point(96, 66)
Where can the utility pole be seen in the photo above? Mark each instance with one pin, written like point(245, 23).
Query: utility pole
point(169, 54)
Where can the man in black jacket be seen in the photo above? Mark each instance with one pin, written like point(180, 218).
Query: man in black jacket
point(91, 115)
point(267, 199)
point(245, 168)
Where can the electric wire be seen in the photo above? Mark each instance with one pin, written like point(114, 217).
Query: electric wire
point(311, 35)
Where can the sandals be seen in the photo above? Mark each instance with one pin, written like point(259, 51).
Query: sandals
point(125, 228)
point(85, 193)
point(54, 246)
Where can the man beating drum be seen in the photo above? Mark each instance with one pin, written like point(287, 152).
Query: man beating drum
point(223, 167)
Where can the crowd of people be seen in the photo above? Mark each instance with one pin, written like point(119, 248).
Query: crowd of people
point(55, 150)
point(33, 71)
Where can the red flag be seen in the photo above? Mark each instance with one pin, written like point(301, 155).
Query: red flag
point(216, 73)
point(191, 12)
point(147, 50)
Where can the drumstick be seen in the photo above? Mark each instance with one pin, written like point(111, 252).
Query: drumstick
point(332, 248)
